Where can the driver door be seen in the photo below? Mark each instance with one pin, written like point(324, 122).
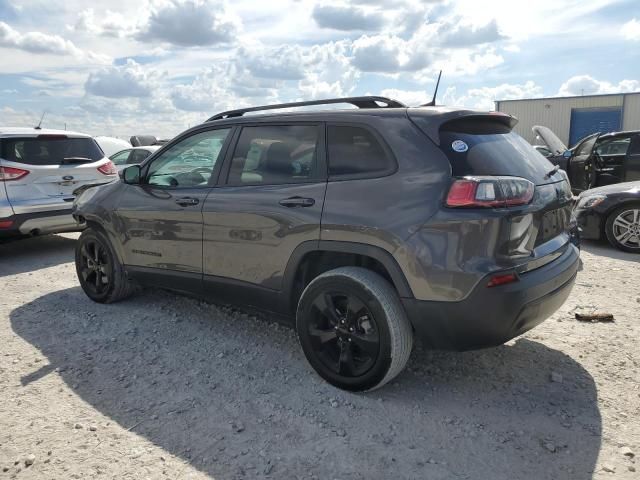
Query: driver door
point(582, 169)
point(162, 216)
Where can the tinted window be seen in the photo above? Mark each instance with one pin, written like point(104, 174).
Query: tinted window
point(275, 154)
point(190, 162)
point(120, 158)
point(137, 156)
point(618, 146)
point(51, 150)
point(489, 148)
point(356, 151)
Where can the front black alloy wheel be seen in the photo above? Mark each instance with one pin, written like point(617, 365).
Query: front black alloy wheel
point(353, 329)
point(95, 266)
point(101, 275)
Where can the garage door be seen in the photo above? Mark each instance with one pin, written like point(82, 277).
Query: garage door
point(587, 121)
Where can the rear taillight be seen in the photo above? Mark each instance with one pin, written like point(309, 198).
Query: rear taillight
point(108, 168)
point(4, 224)
point(8, 174)
point(489, 192)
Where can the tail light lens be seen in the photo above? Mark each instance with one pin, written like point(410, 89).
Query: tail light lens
point(11, 173)
point(5, 224)
point(108, 168)
point(489, 192)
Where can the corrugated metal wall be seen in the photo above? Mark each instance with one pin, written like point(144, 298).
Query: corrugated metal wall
point(555, 113)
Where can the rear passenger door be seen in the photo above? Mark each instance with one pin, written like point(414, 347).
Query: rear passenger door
point(268, 201)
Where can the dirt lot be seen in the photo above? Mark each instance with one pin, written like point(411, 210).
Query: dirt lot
point(162, 386)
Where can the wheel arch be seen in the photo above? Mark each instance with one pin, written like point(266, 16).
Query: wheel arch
point(303, 266)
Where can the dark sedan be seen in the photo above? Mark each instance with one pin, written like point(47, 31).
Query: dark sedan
point(611, 212)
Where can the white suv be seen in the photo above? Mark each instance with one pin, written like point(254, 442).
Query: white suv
point(39, 171)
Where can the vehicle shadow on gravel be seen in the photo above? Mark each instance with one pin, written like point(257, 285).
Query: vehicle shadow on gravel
point(33, 253)
point(604, 249)
point(232, 395)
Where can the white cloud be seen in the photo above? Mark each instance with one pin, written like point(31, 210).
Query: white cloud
point(412, 98)
point(484, 98)
point(189, 23)
point(347, 18)
point(587, 85)
point(109, 23)
point(460, 33)
point(129, 80)
point(36, 42)
point(631, 30)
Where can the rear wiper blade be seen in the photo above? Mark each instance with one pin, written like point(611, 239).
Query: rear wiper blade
point(70, 160)
point(553, 171)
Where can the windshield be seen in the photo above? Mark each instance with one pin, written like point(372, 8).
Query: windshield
point(50, 151)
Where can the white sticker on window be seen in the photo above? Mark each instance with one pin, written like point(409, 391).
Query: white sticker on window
point(459, 146)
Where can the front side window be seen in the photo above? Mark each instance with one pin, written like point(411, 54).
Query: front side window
point(190, 162)
point(355, 151)
point(275, 154)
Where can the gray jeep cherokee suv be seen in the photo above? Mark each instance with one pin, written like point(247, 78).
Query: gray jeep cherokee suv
point(367, 226)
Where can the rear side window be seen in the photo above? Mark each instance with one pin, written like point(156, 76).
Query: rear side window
point(356, 152)
point(491, 148)
point(51, 150)
point(275, 154)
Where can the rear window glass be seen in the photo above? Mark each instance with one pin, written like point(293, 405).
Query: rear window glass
point(355, 151)
point(486, 150)
point(50, 151)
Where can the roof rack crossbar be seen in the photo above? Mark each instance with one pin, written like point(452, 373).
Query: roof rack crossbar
point(360, 102)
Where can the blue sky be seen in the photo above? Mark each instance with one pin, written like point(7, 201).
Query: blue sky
point(158, 66)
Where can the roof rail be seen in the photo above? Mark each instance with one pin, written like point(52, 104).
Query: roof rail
point(360, 102)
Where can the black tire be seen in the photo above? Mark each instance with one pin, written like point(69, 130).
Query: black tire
point(615, 228)
point(101, 275)
point(353, 329)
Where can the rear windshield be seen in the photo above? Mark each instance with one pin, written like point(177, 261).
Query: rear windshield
point(50, 151)
point(489, 148)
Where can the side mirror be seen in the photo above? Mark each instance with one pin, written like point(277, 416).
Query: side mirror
point(131, 175)
point(567, 154)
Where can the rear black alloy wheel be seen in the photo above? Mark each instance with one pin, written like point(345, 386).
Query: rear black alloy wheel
point(343, 333)
point(95, 266)
point(353, 329)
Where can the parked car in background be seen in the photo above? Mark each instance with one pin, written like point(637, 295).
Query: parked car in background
point(39, 170)
point(363, 226)
point(596, 160)
point(111, 145)
point(611, 212)
point(132, 156)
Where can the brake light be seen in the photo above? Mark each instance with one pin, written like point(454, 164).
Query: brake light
point(502, 279)
point(50, 136)
point(6, 223)
point(8, 174)
point(108, 168)
point(489, 192)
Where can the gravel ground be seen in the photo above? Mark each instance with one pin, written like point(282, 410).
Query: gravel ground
point(163, 386)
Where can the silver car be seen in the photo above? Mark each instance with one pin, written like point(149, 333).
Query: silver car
point(39, 171)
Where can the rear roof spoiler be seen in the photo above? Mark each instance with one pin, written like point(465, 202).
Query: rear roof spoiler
point(431, 120)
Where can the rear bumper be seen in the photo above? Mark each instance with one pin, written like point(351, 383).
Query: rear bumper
point(492, 316)
point(39, 223)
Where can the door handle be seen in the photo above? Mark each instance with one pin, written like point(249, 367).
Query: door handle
point(295, 202)
point(187, 201)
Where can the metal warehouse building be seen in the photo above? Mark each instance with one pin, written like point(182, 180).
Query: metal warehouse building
point(572, 118)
